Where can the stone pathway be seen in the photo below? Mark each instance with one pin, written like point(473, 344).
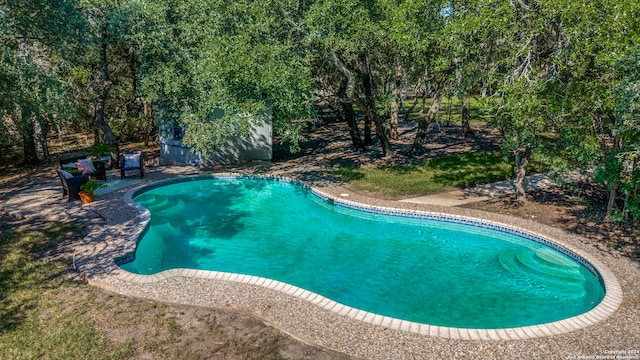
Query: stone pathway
point(114, 183)
point(45, 202)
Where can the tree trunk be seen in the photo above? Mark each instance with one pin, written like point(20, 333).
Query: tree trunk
point(335, 109)
point(635, 187)
point(449, 111)
point(612, 201)
point(425, 121)
point(27, 132)
point(413, 105)
point(368, 139)
point(59, 131)
point(625, 208)
point(133, 67)
point(466, 127)
point(522, 160)
point(41, 129)
point(354, 132)
point(349, 115)
point(101, 99)
point(613, 193)
point(367, 85)
point(370, 112)
point(395, 105)
point(394, 118)
point(148, 115)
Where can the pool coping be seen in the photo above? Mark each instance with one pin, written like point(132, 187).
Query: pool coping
point(609, 304)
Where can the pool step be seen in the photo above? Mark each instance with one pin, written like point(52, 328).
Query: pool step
point(146, 199)
point(544, 268)
point(163, 205)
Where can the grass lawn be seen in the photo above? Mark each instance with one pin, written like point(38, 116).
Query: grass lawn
point(35, 323)
point(451, 110)
point(439, 174)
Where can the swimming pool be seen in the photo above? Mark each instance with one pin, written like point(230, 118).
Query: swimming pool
point(421, 268)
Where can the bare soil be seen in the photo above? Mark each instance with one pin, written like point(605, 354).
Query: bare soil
point(181, 332)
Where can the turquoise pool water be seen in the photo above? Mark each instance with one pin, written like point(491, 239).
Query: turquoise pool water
point(432, 272)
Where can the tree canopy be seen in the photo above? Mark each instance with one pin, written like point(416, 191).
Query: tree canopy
point(560, 69)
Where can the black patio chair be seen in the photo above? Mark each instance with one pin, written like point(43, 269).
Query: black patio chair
point(132, 160)
point(71, 184)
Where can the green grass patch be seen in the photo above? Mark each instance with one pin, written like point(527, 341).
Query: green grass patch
point(34, 324)
point(435, 175)
point(451, 111)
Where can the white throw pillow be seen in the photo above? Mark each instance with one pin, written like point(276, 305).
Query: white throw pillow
point(131, 160)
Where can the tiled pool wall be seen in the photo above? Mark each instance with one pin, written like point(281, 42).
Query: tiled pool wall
point(415, 214)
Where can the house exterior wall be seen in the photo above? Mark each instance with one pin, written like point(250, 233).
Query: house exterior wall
point(256, 146)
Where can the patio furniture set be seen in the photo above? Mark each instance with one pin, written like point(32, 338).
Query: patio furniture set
point(77, 171)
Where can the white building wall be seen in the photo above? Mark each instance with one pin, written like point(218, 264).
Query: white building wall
point(256, 146)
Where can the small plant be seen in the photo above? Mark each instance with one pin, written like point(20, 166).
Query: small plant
point(91, 186)
point(101, 150)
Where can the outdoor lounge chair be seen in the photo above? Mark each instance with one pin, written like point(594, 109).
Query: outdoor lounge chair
point(132, 160)
point(71, 165)
point(71, 184)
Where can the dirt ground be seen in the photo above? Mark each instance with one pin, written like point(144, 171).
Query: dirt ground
point(220, 334)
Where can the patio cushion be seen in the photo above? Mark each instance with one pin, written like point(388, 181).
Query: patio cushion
point(95, 170)
point(66, 174)
point(86, 166)
point(132, 161)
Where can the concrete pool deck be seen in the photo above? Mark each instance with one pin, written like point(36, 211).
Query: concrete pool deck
point(112, 225)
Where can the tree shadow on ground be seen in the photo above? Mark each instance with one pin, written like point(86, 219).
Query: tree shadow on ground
point(577, 208)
